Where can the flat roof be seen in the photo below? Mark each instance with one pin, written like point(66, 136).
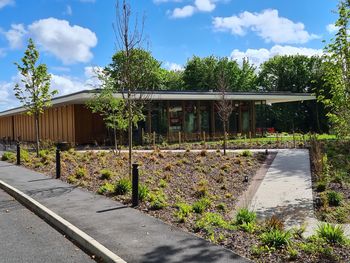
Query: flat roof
point(82, 97)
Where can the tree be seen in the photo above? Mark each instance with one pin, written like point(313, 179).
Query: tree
point(134, 71)
point(112, 109)
point(337, 73)
point(34, 93)
point(171, 80)
point(224, 106)
point(299, 74)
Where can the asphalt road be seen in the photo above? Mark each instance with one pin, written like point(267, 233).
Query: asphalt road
point(24, 237)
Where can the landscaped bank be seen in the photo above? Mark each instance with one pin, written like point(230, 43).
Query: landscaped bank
point(197, 192)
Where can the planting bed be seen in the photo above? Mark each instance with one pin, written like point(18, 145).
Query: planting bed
point(196, 192)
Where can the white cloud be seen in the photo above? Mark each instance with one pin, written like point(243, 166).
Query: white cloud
point(205, 5)
point(15, 35)
point(189, 10)
point(185, 11)
point(173, 66)
point(4, 3)
point(267, 24)
point(69, 10)
point(68, 43)
point(258, 56)
point(332, 28)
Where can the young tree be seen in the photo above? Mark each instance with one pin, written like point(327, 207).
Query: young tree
point(133, 69)
point(224, 106)
point(34, 92)
point(110, 108)
point(337, 73)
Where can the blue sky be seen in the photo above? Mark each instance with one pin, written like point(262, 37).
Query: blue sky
point(74, 36)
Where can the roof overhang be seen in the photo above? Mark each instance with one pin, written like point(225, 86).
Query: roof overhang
point(268, 97)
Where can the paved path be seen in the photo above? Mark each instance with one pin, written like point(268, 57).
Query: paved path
point(27, 238)
point(132, 235)
point(286, 191)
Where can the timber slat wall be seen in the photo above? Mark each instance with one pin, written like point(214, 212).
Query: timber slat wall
point(56, 124)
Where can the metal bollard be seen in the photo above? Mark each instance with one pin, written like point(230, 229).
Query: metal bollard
point(18, 148)
point(58, 163)
point(135, 185)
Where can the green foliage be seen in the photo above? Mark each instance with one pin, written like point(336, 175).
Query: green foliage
point(222, 207)
point(8, 156)
point(249, 227)
point(72, 179)
point(245, 216)
point(334, 198)
point(321, 186)
point(210, 221)
point(201, 205)
point(157, 200)
point(201, 189)
point(106, 188)
point(143, 192)
point(247, 153)
point(331, 233)
point(34, 92)
point(337, 73)
point(184, 210)
point(25, 156)
point(123, 186)
point(162, 183)
point(292, 253)
point(275, 238)
point(81, 172)
point(106, 174)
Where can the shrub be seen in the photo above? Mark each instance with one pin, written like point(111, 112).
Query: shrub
point(162, 183)
point(210, 221)
point(334, 198)
point(201, 205)
point(8, 156)
point(321, 186)
point(221, 207)
point(293, 253)
point(201, 189)
point(331, 233)
point(71, 179)
point(274, 223)
point(184, 210)
point(80, 173)
point(247, 153)
point(245, 216)
point(248, 227)
point(275, 238)
point(106, 174)
point(106, 188)
point(143, 192)
point(25, 157)
point(158, 200)
point(123, 186)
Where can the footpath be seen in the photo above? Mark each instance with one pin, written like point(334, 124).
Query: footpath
point(127, 232)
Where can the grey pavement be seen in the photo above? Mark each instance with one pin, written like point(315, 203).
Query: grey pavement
point(129, 233)
point(286, 190)
point(27, 238)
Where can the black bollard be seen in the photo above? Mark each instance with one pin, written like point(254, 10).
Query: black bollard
point(18, 153)
point(135, 185)
point(58, 163)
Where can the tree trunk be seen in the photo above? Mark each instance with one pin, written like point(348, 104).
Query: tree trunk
point(225, 137)
point(130, 135)
point(36, 117)
point(115, 140)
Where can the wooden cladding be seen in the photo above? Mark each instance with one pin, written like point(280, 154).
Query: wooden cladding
point(6, 127)
point(56, 124)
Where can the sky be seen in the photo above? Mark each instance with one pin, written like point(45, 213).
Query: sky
point(74, 36)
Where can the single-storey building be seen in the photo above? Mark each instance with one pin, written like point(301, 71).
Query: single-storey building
point(169, 114)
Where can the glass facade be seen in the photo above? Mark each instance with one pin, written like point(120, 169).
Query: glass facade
point(192, 118)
